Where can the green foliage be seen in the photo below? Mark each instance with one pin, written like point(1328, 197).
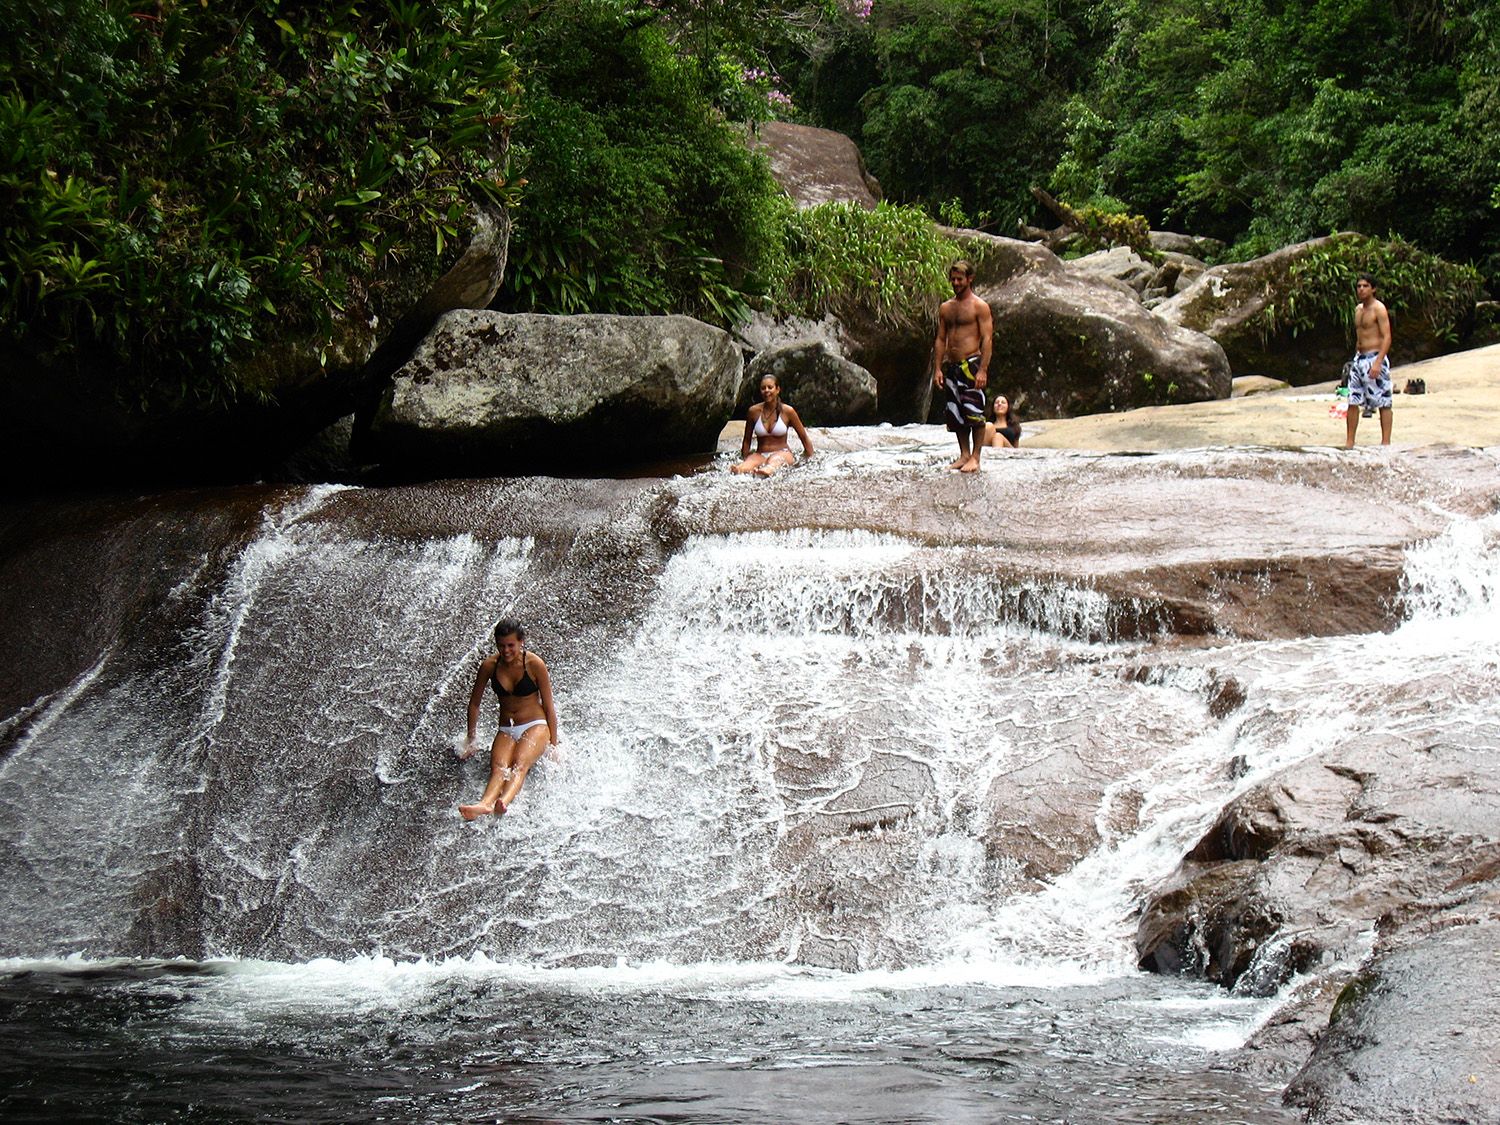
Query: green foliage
point(886, 264)
point(1264, 122)
point(1416, 286)
point(182, 181)
point(1100, 229)
point(641, 198)
point(971, 99)
point(1257, 122)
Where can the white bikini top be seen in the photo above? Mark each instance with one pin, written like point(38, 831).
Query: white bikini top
point(778, 430)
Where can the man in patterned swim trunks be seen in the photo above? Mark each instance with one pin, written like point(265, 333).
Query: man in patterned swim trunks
point(1370, 374)
point(961, 364)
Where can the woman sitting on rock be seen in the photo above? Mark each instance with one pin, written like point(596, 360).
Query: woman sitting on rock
point(768, 423)
point(1005, 431)
point(528, 720)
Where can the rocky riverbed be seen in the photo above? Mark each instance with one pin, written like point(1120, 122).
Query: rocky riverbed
point(1239, 703)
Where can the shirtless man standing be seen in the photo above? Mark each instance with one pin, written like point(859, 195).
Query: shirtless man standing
point(1370, 376)
point(961, 364)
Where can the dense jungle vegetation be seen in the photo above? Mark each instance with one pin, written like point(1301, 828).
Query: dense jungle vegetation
point(183, 182)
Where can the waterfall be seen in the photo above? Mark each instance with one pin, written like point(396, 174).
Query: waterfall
point(836, 748)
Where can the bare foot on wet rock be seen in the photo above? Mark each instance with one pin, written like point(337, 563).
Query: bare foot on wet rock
point(970, 466)
point(469, 812)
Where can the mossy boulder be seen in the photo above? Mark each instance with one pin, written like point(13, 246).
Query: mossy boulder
point(491, 393)
point(1289, 314)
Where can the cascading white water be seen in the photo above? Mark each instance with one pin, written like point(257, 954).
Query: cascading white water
point(802, 751)
point(195, 783)
point(870, 811)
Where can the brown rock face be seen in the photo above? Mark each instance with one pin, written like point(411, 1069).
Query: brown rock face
point(1413, 1037)
point(1068, 343)
point(816, 165)
point(1395, 837)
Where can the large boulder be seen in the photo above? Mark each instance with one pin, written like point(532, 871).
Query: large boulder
point(1242, 305)
point(1193, 245)
point(826, 389)
point(1413, 1037)
point(1065, 342)
point(1325, 849)
point(1392, 838)
point(1120, 263)
point(895, 353)
point(1070, 344)
point(490, 393)
point(816, 166)
point(898, 354)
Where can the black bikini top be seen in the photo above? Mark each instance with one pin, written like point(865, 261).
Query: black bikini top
point(524, 686)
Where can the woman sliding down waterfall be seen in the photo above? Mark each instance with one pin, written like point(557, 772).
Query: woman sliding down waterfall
point(528, 720)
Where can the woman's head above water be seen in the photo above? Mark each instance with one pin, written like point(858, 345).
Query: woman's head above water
point(509, 627)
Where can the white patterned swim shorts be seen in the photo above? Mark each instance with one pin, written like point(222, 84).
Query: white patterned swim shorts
point(1367, 389)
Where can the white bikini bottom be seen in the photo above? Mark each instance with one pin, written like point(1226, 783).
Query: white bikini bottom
point(514, 733)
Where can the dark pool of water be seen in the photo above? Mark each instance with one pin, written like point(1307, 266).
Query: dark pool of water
point(240, 1042)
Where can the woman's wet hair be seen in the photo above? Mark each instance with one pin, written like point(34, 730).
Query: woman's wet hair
point(1010, 411)
point(768, 375)
point(507, 627)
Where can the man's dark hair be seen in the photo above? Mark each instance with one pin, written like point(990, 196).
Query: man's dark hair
point(1366, 277)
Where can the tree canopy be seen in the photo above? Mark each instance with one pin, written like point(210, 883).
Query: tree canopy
point(1260, 122)
point(184, 181)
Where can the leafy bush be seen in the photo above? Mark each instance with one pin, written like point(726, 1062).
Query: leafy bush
point(640, 198)
point(971, 100)
point(182, 181)
point(1251, 120)
point(840, 258)
point(1421, 288)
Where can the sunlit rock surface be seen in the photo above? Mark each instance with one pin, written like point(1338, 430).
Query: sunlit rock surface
point(815, 165)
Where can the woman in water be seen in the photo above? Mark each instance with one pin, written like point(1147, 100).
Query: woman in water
point(1005, 430)
point(528, 721)
point(768, 423)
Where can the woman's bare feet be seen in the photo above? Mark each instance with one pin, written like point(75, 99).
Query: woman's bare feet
point(470, 812)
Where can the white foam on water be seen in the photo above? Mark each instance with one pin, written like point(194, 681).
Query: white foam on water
point(1455, 577)
point(323, 981)
point(776, 685)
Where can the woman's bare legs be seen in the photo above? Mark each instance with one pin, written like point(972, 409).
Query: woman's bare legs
point(751, 464)
point(533, 742)
point(775, 462)
point(502, 755)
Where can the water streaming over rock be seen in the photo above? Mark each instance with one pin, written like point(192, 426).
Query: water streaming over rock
point(793, 736)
